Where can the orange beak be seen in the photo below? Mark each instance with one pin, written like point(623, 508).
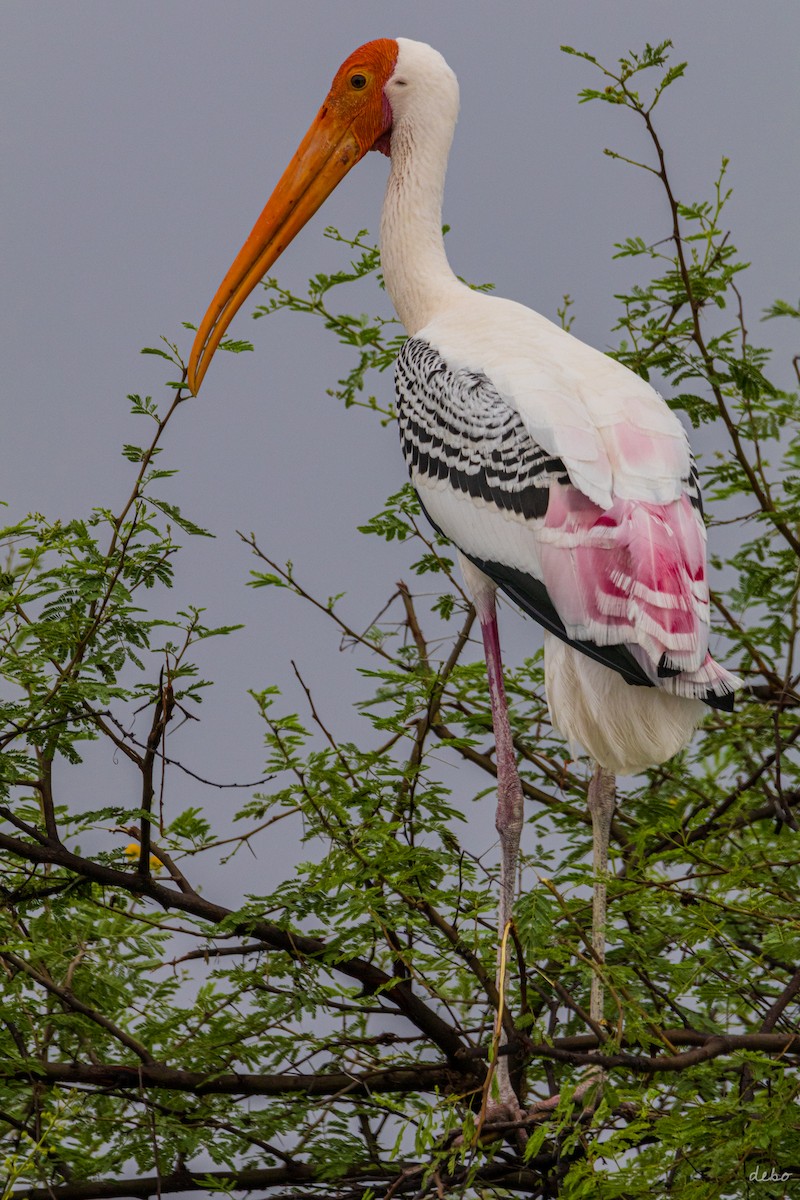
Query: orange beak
point(345, 128)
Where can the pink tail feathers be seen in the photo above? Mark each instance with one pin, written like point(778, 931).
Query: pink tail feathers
point(635, 575)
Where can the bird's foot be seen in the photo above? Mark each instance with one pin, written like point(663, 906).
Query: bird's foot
point(502, 1113)
point(505, 1119)
point(501, 1119)
point(595, 1078)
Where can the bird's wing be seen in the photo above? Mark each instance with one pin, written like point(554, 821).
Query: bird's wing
point(459, 434)
point(622, 581)
point(484, 483)
point(614, 433)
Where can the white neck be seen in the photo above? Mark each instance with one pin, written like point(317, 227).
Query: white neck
point(418, 276)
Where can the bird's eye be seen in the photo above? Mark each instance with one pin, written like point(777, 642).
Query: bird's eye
point(358, 82)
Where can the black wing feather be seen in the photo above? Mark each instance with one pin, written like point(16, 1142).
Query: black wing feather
point(454, 425)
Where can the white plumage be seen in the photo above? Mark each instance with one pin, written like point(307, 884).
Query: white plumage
point(624, 741)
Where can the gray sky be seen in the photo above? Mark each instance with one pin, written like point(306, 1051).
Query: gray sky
point(141, 141)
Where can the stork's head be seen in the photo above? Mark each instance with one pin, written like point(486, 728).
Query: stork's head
point(372, 94)
point(355, 117)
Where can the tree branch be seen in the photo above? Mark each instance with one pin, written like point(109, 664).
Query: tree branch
point(71, 1002)
point(372, 979)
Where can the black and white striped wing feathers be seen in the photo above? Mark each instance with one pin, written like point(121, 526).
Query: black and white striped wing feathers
point(457, 432)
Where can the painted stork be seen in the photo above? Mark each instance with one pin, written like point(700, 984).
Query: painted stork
point(563, 478)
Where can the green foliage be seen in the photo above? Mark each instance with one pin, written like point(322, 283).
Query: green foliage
point(331, 1035)
point(374, 338)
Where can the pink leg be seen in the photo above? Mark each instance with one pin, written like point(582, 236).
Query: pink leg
point(602, 796)
point(508, 820)
point(601, 801)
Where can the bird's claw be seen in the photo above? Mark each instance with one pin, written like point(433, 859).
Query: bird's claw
point(595, 1077)
point(502, 1113)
